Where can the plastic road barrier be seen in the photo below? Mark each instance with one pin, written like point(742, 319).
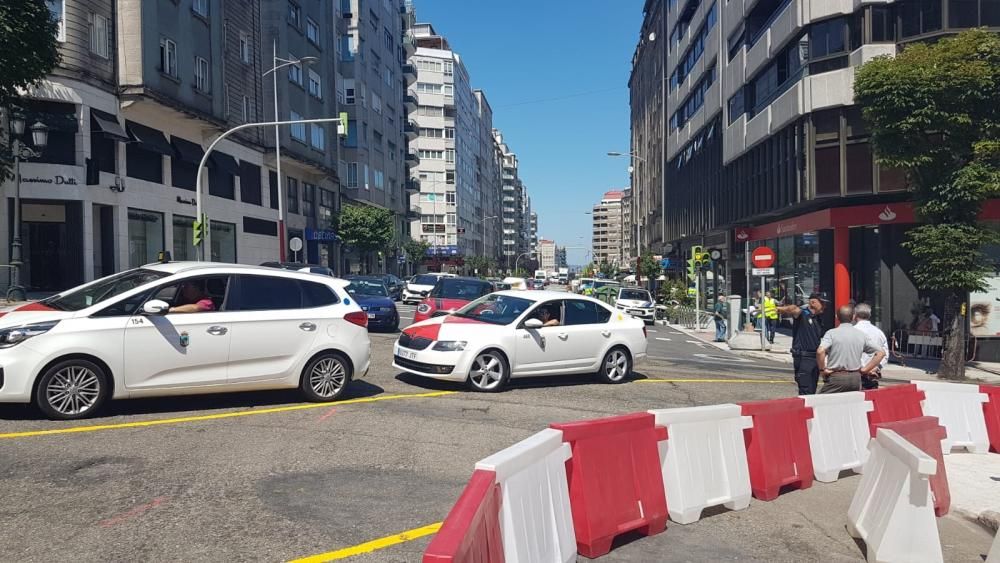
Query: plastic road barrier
point(615, 485)
point(898, 402)
point(959, 408)
point(471, 532)
point(535, 518)
point(892, 509)
point(838, 433)
point(991, 412)
point(778, 446)
point(994, 555)
point(704, 462)
point(926, 434)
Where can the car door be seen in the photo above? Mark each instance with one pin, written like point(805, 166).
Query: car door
point(179, 350)
point(584, 335)
point(272, 329)
point(539, 349)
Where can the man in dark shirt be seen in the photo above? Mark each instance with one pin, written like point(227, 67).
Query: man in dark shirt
point(807, 331)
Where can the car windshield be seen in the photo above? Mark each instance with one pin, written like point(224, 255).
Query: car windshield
point(635, 295)
point(103, 289)
point(450, 288)
point(424, 279)
point(495, 309)
point(600, 284)
point(365, 287)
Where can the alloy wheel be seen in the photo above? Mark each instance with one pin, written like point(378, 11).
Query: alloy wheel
point(616, 365)
point(487, 371)
point(73, 390)
point(327, 377)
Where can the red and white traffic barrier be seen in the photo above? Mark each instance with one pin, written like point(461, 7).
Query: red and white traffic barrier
point(959, 407)
point(838, 433)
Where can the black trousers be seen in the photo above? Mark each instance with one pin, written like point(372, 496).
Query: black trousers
point(806, 373)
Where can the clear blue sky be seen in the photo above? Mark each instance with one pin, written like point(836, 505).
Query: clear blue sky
point(556, 74)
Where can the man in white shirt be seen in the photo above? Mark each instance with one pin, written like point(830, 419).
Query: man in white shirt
point(862, 321)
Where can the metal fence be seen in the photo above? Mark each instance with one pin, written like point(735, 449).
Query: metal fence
point(688, 317)
point(925, 345)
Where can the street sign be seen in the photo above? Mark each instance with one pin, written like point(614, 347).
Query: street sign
point(295, 244)
point(762, 257)
point(668, 248)
point(762, 271)
point(715, 253)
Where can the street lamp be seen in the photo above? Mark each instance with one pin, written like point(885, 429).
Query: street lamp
point(39, 138)
point(635, 203)
point(279, 63)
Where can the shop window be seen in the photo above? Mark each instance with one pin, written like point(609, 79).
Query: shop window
point(145, 236)
point(859, 168)
point(143, 164)
point(183, 230)
point(223, 239)
point(250, 191)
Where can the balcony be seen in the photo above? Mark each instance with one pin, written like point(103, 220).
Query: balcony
point(410, 130)
point(412, 185)
point(412, 160)
point(413, 213)
point(410, 73)
point(410, 102)
point(409, 44)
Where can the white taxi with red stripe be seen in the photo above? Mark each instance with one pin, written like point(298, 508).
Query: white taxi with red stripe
point(511, 334)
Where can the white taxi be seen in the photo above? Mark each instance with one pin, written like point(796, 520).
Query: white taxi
point(637, 302)
point(509, 334)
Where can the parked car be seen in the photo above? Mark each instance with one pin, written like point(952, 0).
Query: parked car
point(517, 284)
point(300, 267)
point(394, 285)
point(375, 301)
point(419, 287)
point(536, 284)
point(501, 336)
point(449, 295)
point(637, 302)
point(174, 329)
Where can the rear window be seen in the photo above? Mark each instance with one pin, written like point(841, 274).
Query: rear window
point(460, 289)
point(317, 294)
point(635, 295)
point(424, 279)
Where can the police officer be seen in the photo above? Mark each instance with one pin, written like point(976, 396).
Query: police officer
point(807, 331)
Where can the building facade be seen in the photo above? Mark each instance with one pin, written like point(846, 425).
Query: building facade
point(547, 255)
point(630, 229)
point(488, 164)
point(511, 202)
point(606, 241)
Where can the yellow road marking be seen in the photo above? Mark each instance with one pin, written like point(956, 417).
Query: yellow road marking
point(655, 380)
point(199, 418)
point(371, 546)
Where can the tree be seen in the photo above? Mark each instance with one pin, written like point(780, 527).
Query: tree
point(934, 112)
point(415, 250)
point(481, 263)
point(648, 268)
point(27, 53)
point(607, 269)
point(366, 228)
point(589, 270)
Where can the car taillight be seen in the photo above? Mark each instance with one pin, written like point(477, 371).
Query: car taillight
point(359, 318)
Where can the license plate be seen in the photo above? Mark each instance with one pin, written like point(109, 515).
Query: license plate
point(635, 312)
point(371, 315)
point(409, 355)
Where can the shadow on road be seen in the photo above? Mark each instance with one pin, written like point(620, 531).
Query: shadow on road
point(514, 384)
point(194, 403)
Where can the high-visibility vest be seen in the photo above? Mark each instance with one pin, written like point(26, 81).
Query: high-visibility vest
point(770, 308)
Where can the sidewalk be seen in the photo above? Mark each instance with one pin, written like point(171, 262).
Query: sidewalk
point(918, 369)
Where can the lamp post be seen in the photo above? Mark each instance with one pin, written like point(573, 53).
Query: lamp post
point(39, 138)
point(279, 63)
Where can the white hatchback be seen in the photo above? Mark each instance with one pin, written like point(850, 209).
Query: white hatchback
point(510, 334)
point(182, 328)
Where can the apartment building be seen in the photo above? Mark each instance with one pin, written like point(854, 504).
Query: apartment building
point(765, 145)
point(488, 165)
point(511, 201)
point(373, 43)
point(606, 240)
point(533, 240)
point(547, 251)
point(630, 228)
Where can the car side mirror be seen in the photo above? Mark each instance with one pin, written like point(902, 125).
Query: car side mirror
point(533, 323)
point(155, 307)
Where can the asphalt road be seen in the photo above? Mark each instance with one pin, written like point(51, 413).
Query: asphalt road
point(265, 477)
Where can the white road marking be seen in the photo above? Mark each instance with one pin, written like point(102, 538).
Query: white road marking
point(650, 330)
point(694, 341)
point(664, 339)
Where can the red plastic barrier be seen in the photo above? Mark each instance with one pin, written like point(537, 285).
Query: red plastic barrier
point(899, 402)
point(471, 532)
point(991, 410)
point(777, 446)
point(925, 433)
point(615, 484)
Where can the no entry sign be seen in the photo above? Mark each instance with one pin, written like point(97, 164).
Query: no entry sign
point(762, 257)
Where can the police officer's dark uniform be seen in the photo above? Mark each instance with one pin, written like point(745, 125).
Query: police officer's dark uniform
point(807, 331)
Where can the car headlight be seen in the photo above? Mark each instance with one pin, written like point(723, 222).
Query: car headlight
point(619, 305)
point(18, 334)
point(449, 345)
point(423, 308)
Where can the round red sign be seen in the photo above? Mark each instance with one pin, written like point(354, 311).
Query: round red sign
point(762, 257)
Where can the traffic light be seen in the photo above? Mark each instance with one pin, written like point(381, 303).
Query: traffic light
point(694, 263)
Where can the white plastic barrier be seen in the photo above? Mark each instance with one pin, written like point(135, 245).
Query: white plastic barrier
point(838, 433)
point(892, 509)
point(536, 522)
point(994, 555)
point(703, 461)
point(959, 408)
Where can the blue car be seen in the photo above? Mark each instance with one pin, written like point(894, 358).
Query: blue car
point(371, 293)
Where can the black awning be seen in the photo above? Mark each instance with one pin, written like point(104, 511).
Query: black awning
point(224, 163)
point(150, 138)
point(187, 151)
point(108, 124)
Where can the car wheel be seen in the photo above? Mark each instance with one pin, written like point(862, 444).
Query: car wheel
point(395, 325)
point(616, 366)
point(489, 371)
point(325, 377)
point(72, 389)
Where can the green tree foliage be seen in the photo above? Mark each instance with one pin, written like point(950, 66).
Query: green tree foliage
point(607, 269)
point(27, 53)
point(649, 268)
point(482, 264)
point(934, 111)
point(415, 250)
point(366, 228)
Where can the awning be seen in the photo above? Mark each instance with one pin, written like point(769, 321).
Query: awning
point(187, 151)
point(107, 124)
point(55, 121)
point(51, 91)
point(150, 138)
point(224, 163)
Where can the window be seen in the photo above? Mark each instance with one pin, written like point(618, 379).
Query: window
point(449, 177)
point(918, 17)
point(694, 51)
point(142, 163)
point(390, 77)
point(352, 134)
point(428, 88)
point(315, 85)
point(145, 236)
point(376, 103)
point(308, 198)
point(349, 97)
point(450, 218)
point(298, 129)
point(449, 68)
point(58, 11)
point(378, 178)
point(201, 78)
point(694, 101)
point(318, 137)
point(387, 39)
point(430, 111)
point(430, 154)
point(168, 57)
point(246, 110)
point(449, 198)
point(431, 133)
point(312, 31)
point(346, 48)
point(429, 65)
point(266, 293)
point(578, 312)
point(292, 189)
point(735, 106)
point(449, 155)
point(352, 174)
point(826, 161)
point(272, 184)
point(100, 36)
point(245, 47)
point(828, 38)
point(250, 188)
point(317, 294)
point(883, 24)
point(294, 14)
point(200, 7)
point(294, 71)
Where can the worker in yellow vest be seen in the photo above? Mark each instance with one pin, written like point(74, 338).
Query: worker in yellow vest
point(770, 306)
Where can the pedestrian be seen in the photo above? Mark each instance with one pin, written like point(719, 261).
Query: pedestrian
point(839, 355)
point(721, 311)
point(933, 320)
point(770, 316)
point(807, 331)
point(862, 321)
